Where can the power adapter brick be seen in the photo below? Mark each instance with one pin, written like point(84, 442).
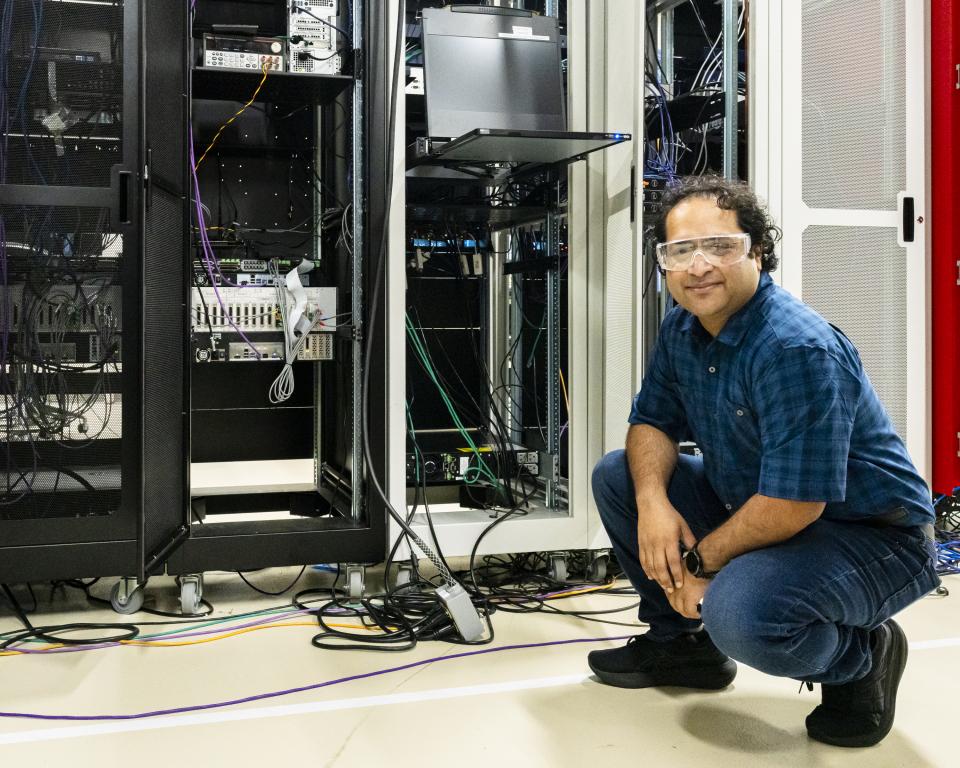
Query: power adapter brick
point(460, 609)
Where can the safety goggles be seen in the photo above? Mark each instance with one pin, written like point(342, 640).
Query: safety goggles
point(718, 250)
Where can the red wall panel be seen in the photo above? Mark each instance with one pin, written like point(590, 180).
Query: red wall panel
point(945, 223)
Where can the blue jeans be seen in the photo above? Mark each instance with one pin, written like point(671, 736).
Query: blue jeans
point(802, 608)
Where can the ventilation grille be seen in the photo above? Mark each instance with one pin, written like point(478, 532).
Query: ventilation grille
point(62, 66)
point(854, 95)
point(855, 278)
point(163, 366)
point(60, 372)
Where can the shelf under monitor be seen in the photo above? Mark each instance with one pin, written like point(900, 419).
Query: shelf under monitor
point(485, 146)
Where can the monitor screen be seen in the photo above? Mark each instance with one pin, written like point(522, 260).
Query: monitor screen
point(490, 71)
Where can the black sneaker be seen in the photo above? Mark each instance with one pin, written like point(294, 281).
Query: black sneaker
point(688, 661)
point(860, 713)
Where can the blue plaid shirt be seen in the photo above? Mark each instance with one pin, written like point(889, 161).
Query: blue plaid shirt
point(780, 405)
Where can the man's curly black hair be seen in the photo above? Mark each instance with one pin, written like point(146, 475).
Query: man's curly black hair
point(752, 216)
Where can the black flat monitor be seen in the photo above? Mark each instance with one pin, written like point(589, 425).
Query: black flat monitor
point(491, 70)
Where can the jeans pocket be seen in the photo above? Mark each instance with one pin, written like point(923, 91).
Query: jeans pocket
point(923, 580)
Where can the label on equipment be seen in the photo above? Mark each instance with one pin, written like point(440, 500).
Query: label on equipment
point(523, 33)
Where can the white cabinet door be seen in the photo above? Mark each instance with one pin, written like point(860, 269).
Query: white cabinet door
point(851, 130)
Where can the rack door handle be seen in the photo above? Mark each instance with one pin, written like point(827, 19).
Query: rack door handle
point(123, 197)
point(908, 219)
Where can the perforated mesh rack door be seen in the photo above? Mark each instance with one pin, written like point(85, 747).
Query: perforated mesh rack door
point(62, 380)
point(62, 65)
point(864, 298)
point(165, 259)
point(854, 87)
point(853, 197)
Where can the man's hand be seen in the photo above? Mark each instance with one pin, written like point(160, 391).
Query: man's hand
point(686, 600)
point(660, 529)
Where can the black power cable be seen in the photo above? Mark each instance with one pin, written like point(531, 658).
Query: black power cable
point(374, 311)
point(53, 634)
point(255, 588)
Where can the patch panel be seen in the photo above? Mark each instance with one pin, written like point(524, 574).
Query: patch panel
point(75, 308)
point(254, 308)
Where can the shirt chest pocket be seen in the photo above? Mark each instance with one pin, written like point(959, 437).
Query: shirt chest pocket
point(739, 431)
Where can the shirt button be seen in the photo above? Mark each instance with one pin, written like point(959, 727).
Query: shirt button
point(712, 369)
point(728, 506)
point(739, 411)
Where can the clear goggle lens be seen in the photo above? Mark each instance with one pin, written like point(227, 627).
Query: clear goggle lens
point(718, 250)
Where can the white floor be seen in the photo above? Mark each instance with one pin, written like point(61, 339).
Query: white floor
point(523, 707)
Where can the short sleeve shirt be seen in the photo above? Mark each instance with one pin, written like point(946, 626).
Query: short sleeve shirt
point(779, 404)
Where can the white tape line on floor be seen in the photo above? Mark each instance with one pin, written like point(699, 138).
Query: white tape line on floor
point(287, 710)
point(259, 713)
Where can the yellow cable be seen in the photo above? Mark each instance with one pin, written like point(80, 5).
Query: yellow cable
point(178, 643)
point(238, 113)
point(575, 592)
point(566, 397)
point(202, 640)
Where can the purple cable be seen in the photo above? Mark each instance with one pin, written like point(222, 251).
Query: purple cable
point(208, 257)
point(303, 688)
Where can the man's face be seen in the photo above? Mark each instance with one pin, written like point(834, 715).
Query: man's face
point(711, 293)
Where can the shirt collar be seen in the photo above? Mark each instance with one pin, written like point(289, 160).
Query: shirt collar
point(736, 327)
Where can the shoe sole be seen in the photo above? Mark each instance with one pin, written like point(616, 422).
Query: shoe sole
point(898, 662)
point(707, 678)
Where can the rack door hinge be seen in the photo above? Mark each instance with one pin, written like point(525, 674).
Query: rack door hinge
point(147, 178)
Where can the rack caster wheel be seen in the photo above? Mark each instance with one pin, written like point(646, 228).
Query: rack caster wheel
point(126, 597)
point(354, 575)
point(191, 593)
point(598, 568)
point(558, 566)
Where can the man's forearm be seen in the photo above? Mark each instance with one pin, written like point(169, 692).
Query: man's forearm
point(759, 523)
point(652, 457)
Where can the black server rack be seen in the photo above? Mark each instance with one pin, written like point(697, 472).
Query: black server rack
point(93, 196)
point(291, 139)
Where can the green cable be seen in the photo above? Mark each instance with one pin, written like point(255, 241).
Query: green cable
point(182, 627)
point(424, 358)
point(420, 349)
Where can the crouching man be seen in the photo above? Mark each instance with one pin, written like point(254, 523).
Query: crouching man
point(802, 528)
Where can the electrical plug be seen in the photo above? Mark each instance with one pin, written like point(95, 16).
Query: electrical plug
point(460, 609)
